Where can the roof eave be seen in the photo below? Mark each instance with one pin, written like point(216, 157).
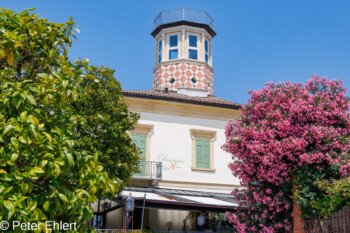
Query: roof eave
point(237, 107)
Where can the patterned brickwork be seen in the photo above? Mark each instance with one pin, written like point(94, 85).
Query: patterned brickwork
point(180, 75)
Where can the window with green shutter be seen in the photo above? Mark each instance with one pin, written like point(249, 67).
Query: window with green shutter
point(202, 153)
point(140, 141)
point(203, 149)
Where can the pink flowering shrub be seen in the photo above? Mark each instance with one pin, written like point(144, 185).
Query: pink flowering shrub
point(285, 128)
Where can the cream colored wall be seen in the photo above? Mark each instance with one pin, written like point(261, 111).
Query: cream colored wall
point(183, 32)
point(137, 104)
point(171, 141)
point(114, 219)
point(171, 144)
point(164, 220)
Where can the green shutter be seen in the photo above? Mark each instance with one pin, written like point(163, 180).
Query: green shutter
point(202, 153)
point(140, 141)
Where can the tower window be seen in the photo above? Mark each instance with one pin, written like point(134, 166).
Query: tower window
point(193, 47)
point(193, 41)
point(206, 48)
point(194, 80)
point(159, 51)
point(172, 80)
point(173, 47)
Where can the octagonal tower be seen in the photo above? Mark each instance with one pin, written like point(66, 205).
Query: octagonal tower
point(183, 59)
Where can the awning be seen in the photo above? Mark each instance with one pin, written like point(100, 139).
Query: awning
point(177, 199)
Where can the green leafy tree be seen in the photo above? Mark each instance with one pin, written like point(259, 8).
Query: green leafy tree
point(337, 196)
point(63, 125)
point(105, 122)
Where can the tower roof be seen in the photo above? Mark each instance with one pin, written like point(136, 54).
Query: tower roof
point(183, 16)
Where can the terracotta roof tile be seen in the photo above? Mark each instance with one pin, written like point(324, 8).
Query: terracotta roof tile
point(173, 96)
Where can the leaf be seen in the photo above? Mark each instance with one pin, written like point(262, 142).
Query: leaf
point(33, 207)
point(10, 58)
point(39, 215)
point(47, 155)
point(22, 139)
point(24, 187)
point(14, 142)
point(33, 131)
point(46, 100)
point(2, 171)
point(3, 53)
point(43, 163)
point(17, 101)
point(14, 157)
point(8, 205)
point(23, 116)
point(16, 44)
point(37, 170)
point(63, 197)
point(21, 199)
point(65, 83)
point(77, 30)
point(42, 75)
point(30, 186)
point(6, 191)
point(59, 162)
point(31, 99)
point(8, 128)
point(57, 169)
point(75, 95)
point(93, 190)
point(5, 100)
point(70, 159)
point(33, 120)
point(46, 205)
point(10, 213)
point(48, 136)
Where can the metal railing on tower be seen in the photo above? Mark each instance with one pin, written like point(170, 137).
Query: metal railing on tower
point(183, 14)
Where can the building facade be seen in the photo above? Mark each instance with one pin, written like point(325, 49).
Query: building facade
point(180, 133)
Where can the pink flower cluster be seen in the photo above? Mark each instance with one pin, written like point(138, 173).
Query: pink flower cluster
point(284, 126)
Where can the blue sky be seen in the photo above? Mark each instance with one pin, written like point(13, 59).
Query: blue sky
point(257, 41)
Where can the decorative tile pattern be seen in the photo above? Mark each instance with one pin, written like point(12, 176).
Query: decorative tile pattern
point(183, 72)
